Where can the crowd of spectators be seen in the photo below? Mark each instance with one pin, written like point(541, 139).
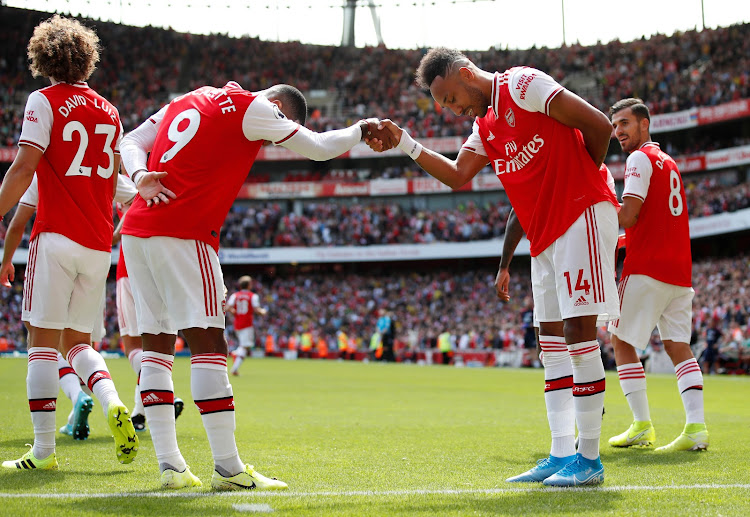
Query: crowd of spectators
point(326, 223)
point(425, 302)
point(329, 223)
point(141, 67)
point(707, 197)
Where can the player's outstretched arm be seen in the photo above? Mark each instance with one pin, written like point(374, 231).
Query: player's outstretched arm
point(454, 173)
point(331, 144)
point(513, 234)
point(571, 110)
point(13, 238)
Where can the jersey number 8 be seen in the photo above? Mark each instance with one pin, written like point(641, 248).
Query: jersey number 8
point(675, 193)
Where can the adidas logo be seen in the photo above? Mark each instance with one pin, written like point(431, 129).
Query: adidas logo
point(491, 137)
point(49, 406)
point(152, 398)
point(96, 377)
point(581, 301)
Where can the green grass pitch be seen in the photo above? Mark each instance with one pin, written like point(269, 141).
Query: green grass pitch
point(385, 439)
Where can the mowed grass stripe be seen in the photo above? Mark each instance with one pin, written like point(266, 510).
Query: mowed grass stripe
point(375, 493)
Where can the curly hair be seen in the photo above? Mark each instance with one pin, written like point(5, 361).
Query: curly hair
point(438, 61)
point(63, 49)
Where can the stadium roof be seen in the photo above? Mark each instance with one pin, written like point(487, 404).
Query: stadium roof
point(463, 24)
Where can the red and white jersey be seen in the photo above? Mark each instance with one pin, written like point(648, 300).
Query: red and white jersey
point(543, 164)
point(243, 302)
point(206, 141)
point(125, 192)
point(658, 243)
point(79, 132)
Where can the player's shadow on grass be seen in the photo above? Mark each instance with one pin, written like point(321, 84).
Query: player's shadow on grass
point(42, 480)
point(648, 458)
point(515, 459)
point(59, 440)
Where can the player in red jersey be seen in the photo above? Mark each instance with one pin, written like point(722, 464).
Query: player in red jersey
point(243, 305)
point(546, 145)
point(202, 147)
point(70, 137)
point(77, 425)
point(656, 285)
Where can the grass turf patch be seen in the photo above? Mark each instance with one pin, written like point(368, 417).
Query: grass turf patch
point(381, 439)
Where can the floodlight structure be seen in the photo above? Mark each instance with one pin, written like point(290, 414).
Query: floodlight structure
point(350, 8)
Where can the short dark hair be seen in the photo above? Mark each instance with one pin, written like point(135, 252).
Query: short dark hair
point(438, 61)
point(293, 100)
point(64, 49)
point(637, 106)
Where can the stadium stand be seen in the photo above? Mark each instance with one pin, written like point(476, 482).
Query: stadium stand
point(697, 84)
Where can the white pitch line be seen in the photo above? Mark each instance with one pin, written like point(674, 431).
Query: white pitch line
point(370, 493)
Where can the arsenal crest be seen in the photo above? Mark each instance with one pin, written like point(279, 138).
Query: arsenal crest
point(510, 118)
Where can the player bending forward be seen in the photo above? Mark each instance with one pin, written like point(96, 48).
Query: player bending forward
point(202, 146)
point(656, 285)
point(546, 146)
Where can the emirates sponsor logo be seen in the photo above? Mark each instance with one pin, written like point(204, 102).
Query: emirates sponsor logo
point(510, 118)
point(30, 116)
point(581, 301)
point(521, 159)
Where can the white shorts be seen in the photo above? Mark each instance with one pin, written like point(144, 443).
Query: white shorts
point(575, 275)
point(246, 337)
point(646, 303)
point(176, 284)
point(64, 284)
point(126, 317)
